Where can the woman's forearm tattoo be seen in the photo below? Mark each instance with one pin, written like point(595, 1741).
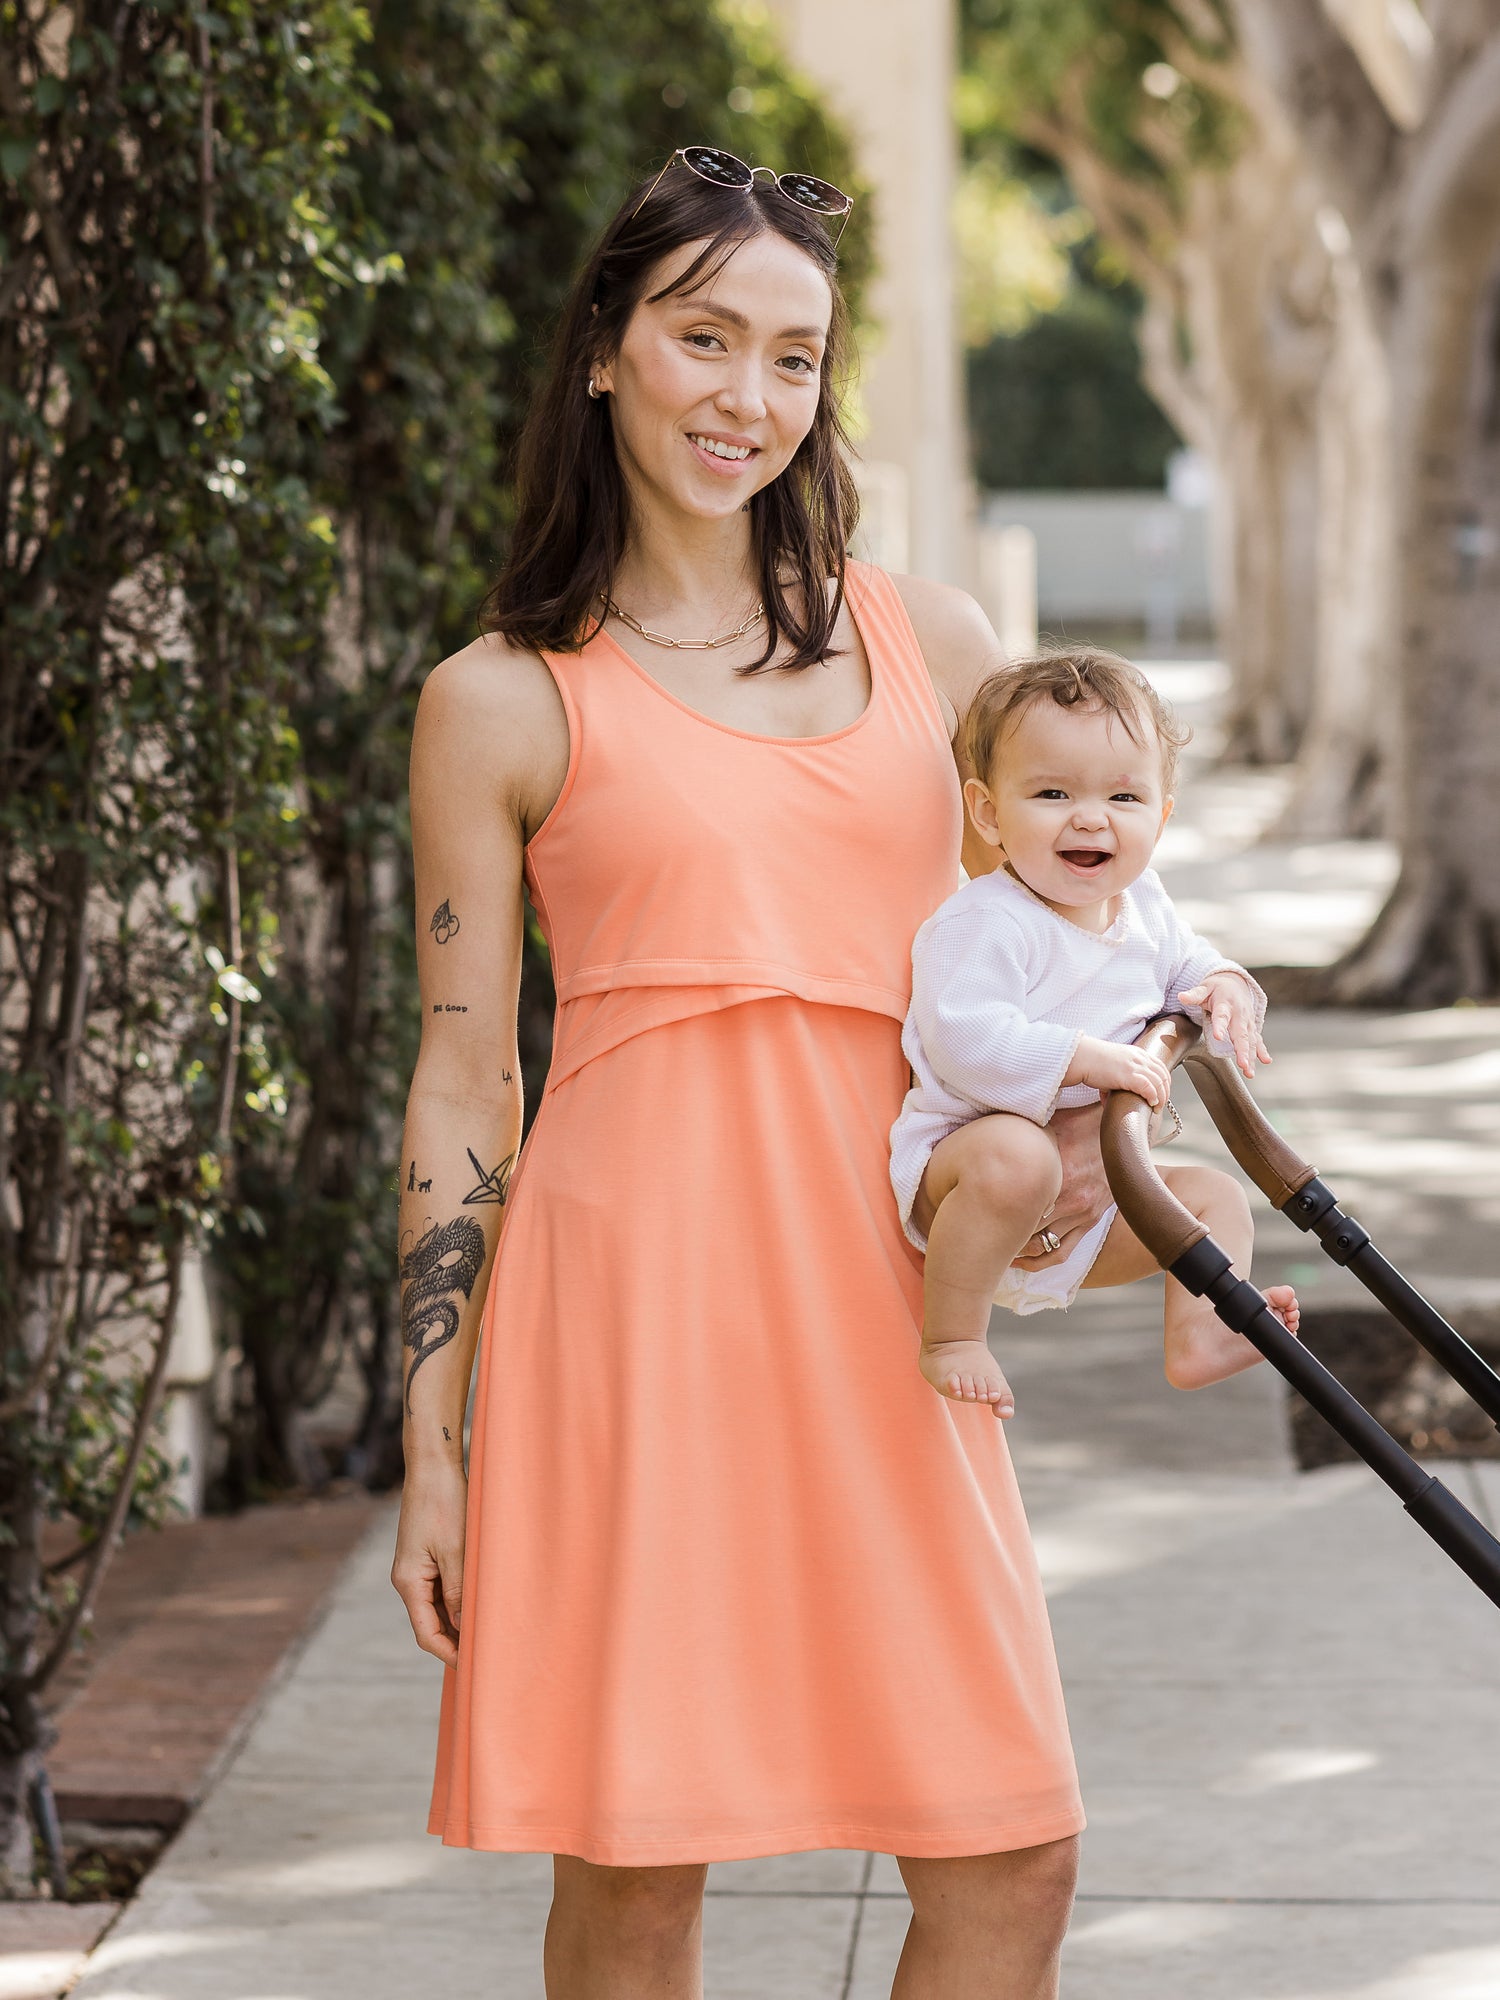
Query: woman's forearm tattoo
point(491, 1186)
point(444, 923)
point(443, 1263)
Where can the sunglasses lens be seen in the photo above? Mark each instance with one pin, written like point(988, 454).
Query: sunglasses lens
point(714, 165)
point(813, 193)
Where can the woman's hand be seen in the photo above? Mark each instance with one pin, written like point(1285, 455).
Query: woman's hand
point(1084, 1195)
point(428, 1570)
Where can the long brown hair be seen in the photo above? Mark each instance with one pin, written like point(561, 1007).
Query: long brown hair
point(573, 513)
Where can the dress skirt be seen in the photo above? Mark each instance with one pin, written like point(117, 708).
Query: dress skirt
point(738, 1581)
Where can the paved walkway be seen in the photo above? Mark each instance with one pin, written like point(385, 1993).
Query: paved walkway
point(1285, 1702)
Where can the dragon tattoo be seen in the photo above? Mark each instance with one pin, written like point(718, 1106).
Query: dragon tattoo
point(444, 1260)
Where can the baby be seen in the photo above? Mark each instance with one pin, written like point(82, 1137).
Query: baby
point(1028, 988)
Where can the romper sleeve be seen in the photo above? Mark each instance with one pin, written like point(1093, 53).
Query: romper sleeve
point(1191, 960)
point(968, 993)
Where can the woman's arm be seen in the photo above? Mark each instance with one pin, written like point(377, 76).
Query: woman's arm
point(960, 648)
point(488, 756)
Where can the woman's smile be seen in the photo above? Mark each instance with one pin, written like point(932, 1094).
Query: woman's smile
point(720, 454)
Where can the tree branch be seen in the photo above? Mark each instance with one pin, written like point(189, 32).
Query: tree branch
point(1455, 168)
point(104, 1547)
point(14, 1405)
point(1321, 85)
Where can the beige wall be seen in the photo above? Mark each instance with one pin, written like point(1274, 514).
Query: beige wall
point(886, 67)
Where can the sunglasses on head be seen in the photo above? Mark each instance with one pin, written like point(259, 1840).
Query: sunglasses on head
point(712, 163)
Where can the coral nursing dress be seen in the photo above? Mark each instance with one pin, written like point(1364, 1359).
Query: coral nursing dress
point(737, 1581)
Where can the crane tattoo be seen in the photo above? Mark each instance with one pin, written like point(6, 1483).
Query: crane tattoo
point(445, 1259)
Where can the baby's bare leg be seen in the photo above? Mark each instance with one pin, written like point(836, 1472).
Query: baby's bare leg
point(1199, 1347)
point(984, 1193)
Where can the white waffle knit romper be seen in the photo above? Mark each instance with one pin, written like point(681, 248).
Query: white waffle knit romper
point(1002, 990)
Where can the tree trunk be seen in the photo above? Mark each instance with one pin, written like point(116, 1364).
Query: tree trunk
point(25, 1734)
point(1255, 288)
point(1438, 938)
point(1235, 342)
point(1420, 193)
point(1344, 777)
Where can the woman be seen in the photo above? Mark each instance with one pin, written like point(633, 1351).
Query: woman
point(731, 1580)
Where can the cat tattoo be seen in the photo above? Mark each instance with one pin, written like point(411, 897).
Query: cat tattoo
point(444, 1260)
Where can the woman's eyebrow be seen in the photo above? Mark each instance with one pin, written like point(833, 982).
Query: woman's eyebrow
point(738, 319)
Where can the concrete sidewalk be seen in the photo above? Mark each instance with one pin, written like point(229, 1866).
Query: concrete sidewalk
point(1286, 1702)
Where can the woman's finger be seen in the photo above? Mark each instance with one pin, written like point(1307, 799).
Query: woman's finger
point(427, 1621)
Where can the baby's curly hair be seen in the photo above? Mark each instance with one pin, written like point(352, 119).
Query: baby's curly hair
point(1073, 677)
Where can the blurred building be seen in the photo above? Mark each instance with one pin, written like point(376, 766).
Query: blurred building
point(1134, 565)
point(886, 68)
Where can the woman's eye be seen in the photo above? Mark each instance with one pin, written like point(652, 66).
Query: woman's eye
point(803, 364)
point(710, 339)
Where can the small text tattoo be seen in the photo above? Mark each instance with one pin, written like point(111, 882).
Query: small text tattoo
point(506, 1077)
point(493, 1186)
point(447, 1006)
point(447, 1434)
point(444, 924)
point(445, 1260)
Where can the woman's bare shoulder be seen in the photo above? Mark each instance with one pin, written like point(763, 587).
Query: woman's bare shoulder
point(957, 640)
point(493, 707)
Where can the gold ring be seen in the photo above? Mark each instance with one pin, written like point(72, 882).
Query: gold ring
point(1050, 1241)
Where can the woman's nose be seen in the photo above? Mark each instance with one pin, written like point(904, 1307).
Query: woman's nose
point(741, 397)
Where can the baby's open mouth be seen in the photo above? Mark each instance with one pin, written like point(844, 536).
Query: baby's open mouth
point(1086, 857)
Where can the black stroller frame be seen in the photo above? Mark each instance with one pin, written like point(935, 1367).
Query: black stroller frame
point(1182, 1245)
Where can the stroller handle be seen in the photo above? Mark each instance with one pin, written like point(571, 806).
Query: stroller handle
point(1181, 1244)
point(1152, 1210)
point(1291, 1185)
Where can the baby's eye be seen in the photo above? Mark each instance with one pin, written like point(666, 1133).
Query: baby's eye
point(1052, 792)
point(1129, 798)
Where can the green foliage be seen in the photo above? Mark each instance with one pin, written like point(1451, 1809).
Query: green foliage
point(1060, 404)
point(1139, 80)
point(174, 222)
point(1135, 101)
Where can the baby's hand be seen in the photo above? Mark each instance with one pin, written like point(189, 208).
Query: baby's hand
point(1229, 1011)
point(1119, 1066)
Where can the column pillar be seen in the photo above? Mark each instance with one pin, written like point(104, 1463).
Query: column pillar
point(886, 68)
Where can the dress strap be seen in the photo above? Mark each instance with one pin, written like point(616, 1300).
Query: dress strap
point(884, 622)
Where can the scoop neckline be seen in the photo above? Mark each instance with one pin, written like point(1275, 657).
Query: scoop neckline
point(1111, 934)
point(752, 735)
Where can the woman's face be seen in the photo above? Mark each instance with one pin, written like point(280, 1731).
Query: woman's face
point(714, 391)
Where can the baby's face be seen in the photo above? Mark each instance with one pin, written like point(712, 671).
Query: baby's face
point(1078, 806)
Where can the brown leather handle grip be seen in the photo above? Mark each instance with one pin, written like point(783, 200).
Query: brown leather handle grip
point(1274, 1166)
point(1153, 1212)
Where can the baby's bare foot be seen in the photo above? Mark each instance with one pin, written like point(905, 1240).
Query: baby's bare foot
point(1283, 1302)
point(966, 1371)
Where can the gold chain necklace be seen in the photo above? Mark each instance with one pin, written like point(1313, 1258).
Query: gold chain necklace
point(683, 645)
